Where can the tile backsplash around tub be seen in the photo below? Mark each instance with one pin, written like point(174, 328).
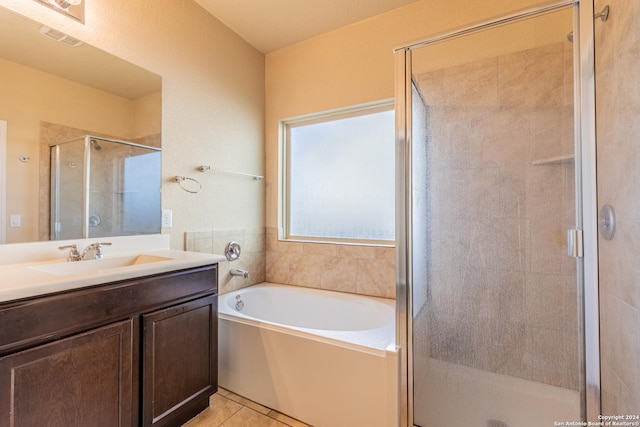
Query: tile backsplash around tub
point(252, 257)
point(365, 270)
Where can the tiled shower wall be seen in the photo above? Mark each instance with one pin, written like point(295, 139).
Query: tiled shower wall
point(501, 289)
point(618, 139)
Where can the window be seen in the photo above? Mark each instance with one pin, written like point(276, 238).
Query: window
point(339, 173)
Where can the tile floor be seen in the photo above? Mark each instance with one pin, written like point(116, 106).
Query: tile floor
point(227, 409)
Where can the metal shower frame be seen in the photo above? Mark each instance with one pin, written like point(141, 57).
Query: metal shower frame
point(585, 190)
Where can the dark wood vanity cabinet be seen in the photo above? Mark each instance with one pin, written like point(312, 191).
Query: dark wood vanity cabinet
point(131, 353)
point(83, 380)
point(180, 361)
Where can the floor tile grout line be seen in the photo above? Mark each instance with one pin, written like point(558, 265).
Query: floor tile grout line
point(284, 422)
point(234, 413)
point(273, 418)
point(257, 412)
point(268, 414)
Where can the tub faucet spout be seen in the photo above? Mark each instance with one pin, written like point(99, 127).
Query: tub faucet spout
point(238, 272)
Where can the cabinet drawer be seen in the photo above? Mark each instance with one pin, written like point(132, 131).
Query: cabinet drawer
point(30, 322)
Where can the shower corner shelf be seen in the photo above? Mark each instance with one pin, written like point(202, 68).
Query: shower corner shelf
point(554, 160)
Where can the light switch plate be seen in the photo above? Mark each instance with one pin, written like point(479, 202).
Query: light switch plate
point(15, 220)
point(167, 218)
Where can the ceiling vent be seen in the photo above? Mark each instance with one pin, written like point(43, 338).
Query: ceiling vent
point(60, 37)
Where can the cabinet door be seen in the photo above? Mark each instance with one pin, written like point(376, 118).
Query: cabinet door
point(84, 380)
point(180, 361)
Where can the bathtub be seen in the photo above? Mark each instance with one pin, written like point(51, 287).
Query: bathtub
point(325, 358)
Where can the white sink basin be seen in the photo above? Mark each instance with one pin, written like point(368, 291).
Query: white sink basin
point(97, 265)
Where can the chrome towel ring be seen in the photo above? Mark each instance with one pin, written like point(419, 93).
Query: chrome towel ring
point(181, 179)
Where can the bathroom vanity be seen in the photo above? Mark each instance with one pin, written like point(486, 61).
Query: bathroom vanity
point(123, 351)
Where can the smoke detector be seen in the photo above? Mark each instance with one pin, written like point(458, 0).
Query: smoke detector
point(59, 36)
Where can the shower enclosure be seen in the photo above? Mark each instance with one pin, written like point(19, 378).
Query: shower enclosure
point(492, 126)
point(103, 187)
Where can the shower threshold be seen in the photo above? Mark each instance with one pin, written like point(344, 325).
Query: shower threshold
point(457, 395)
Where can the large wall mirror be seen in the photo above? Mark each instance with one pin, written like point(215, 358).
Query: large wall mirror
point(56, 89)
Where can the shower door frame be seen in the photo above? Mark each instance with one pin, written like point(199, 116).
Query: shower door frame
point(585, 194)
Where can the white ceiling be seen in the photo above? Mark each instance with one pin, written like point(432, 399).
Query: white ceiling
point(21, 42)
point(273, 24)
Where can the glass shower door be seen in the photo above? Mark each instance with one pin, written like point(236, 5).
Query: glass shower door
point(495, 321)
point(124, 189)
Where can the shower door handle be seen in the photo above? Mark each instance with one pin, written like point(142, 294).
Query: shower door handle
point(575, 243)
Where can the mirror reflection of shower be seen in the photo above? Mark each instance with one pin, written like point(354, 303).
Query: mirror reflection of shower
point(113, 193)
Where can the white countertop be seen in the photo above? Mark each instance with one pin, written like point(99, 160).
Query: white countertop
point(23, 279)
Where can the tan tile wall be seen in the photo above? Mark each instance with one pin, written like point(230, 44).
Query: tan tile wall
point(252, 256)
point(365, 270)
point(502, 291)
point(618, 139)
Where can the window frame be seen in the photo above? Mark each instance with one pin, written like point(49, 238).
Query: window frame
point(284, 170)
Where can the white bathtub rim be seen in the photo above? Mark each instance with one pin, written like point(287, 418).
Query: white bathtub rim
point(313, 335)
point(358, 312)
point(379, 341)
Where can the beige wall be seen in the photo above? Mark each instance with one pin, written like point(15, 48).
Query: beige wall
point(354, 65)
point(618, 109)
point(212, 100)
point(147, 115)
point(349, 66)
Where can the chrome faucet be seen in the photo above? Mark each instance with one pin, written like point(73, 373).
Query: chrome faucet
point(96, 248)
point(238, 272)
point(74, 255)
